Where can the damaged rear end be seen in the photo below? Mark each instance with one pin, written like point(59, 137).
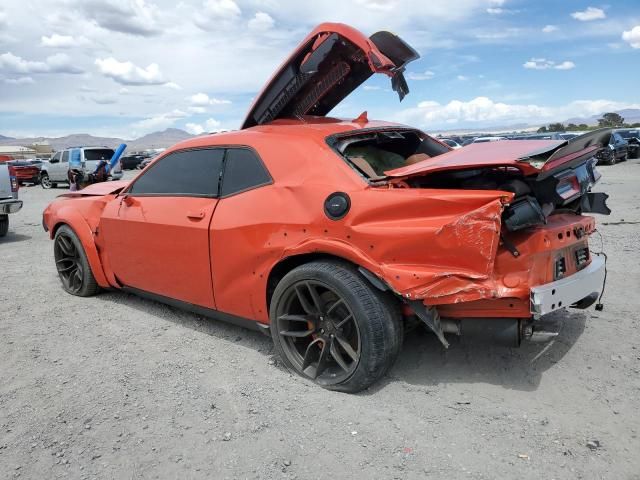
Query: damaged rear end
point(493, 235)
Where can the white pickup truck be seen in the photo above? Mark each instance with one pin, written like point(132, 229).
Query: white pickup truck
point(55, 170)
point(9, 202)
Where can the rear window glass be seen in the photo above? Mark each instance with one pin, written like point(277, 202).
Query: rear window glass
point(98, 154)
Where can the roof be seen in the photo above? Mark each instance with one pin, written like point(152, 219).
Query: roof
point(309, 127)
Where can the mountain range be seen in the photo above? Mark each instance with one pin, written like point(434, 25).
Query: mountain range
point(162, 139)
point(170, 136)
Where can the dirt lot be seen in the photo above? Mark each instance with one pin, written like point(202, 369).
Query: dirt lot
point(119, 387)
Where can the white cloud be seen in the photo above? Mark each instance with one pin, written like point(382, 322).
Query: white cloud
point(58, 63)
point(127, 73)
point(426, 75)
point(63, 41)
point(209, 126)
point(371, 87)
point(222, 9)
point(159, 122)
point(19, 81)
point(544, 64)
point(632, 36)
point(216, 14)
point(485, 112)
point(495, 11)
point(591, 13)
point(172, 85)
point(202, 100)
point(135, 17)
point(261, 22)
point(462, 78)
point(550, 29)
point(566, 65)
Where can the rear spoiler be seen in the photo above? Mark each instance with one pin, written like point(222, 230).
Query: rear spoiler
point(549, 157)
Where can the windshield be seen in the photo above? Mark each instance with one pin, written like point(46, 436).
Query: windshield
point(98, 154)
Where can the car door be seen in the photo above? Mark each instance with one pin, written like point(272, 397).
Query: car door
point(59, 170)
point(156, 234)
point(54, 161)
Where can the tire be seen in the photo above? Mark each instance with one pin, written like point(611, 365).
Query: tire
point(4, 225)
point(45, 181)
point(72, 264)
point(330, 325)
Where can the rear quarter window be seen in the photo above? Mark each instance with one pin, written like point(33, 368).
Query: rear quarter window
point(243, 170)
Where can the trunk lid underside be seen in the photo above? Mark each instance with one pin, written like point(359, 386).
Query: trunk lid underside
point(327, 66)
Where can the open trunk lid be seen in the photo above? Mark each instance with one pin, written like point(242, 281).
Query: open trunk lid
point(331, 62)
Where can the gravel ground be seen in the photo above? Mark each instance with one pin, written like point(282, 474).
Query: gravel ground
point(119, 387)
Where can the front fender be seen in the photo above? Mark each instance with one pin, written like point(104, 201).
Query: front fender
point(71, 217)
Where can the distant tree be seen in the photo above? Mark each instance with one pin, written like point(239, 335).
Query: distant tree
point(635, 125)
point(583, 126)
point(572, 126)
point(556, 127)
point(610, 119)
point(542, 129)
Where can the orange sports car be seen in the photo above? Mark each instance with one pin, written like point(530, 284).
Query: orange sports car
point(330, 235)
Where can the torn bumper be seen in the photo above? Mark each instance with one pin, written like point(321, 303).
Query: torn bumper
point(567, 291)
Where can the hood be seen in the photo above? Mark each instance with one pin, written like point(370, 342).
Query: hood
point(99, 189)
point(331, 62)
point(529, 156)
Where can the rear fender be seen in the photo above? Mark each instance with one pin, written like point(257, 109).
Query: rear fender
point(72, 218)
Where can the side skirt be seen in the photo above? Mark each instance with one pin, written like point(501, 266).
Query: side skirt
point(204, 311)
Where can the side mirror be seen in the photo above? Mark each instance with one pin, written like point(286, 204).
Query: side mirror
point(54, 160)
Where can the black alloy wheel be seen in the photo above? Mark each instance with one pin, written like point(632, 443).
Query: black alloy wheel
point(330, 325)
point(72, 265)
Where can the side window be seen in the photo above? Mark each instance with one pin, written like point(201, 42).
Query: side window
point(243, 170)
point(56, 157)
point(65, 156)
point(187, 172)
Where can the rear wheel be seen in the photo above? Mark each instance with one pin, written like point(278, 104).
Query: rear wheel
point(330, 325)
point(45, 181)
point(72, 264)
point(4, 225)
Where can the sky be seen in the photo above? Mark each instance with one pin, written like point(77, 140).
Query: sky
point(130, 67)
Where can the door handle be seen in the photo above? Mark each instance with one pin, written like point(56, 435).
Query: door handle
point(195, 215)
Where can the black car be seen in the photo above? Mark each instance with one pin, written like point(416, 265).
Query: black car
point(632, 136)
point(130, 162)
point(617, 150)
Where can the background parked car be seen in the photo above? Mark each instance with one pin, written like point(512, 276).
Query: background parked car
point(487, 139)
point(25, 171)
point(55, 170)
point(615, 151)
point(632, 136)
point(129, 162)
point(452, 143)
point(9, 202)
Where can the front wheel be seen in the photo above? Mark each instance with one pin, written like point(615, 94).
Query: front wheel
point(45, 181)
point(72, 264)
point(330, 325)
